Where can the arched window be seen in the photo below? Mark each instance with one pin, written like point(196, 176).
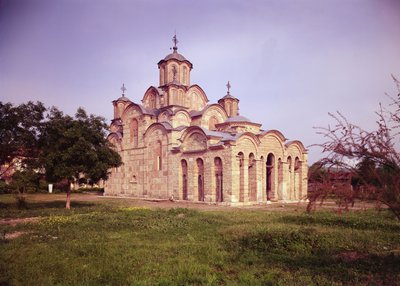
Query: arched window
point(228, 108)
point(158, 152)
point(134, 132)
point(184, 75)
point(152, 101)
point(297, 164)
point(270, 168)
point(218, 173)
point(184, 172)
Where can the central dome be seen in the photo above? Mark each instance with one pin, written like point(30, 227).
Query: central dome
point(176, 56)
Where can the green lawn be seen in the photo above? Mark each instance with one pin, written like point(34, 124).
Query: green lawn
point(110, 242)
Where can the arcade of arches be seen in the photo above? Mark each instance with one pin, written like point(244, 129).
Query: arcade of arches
point(176, 144)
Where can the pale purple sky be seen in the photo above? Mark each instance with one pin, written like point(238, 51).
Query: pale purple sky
point(289, 62)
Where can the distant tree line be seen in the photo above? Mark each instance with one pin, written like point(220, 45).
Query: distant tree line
point(38, 141)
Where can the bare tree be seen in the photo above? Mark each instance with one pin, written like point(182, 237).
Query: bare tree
point(371, 157)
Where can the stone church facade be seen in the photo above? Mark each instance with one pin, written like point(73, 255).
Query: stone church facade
point(176, 144)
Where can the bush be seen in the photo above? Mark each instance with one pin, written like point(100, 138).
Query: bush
point(96, 190)
point(5, 188)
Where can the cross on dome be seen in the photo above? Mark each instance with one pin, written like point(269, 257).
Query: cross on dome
point(175, 41)
point(123, 88)
point(228, 85)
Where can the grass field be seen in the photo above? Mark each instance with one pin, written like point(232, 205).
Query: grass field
point(120, 242)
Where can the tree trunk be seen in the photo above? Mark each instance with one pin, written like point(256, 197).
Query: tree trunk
point(68, 203)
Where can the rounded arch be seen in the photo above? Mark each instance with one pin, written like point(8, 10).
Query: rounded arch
point(159, 129)
point(248, 137)
point(210, 111)
point(132, 110)
point(151, 97)
point(289, 162)
point(200, 92)
point(181, 118)
point(298, 145)
point(192, 129)
point(275, 134)
point(194, 139)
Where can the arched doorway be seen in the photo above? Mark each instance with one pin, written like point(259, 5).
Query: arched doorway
point(241, 176)
point(252, 183)
point(270, 176)
point(200, 179)
point(184, 169)
point(218, 179)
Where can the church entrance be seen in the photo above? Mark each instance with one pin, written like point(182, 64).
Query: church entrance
point(270, 175)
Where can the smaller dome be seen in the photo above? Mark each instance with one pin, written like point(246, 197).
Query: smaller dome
point(237, 119)
point(123, 98)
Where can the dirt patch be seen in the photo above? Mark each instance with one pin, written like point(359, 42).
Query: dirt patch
point(13, 235)
point(15, 221)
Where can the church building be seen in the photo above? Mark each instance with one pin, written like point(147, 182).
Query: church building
point(176, 144)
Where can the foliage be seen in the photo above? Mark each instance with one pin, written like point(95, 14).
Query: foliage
point(5, 188)
point(115, 242)
point(19, 133)
point(75, 147)
point(26, 181)
point(371, 157)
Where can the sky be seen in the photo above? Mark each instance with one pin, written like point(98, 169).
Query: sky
point(290, 62)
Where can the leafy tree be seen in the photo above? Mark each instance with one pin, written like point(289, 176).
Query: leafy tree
point(19, 133)
point(25, 181)
point(372, 157)
point(72, 147)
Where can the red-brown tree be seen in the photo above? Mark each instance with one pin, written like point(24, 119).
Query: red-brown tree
point(372, 158)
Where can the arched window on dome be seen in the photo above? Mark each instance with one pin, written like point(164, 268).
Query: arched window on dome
point(184, 75)
point(228, 108)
